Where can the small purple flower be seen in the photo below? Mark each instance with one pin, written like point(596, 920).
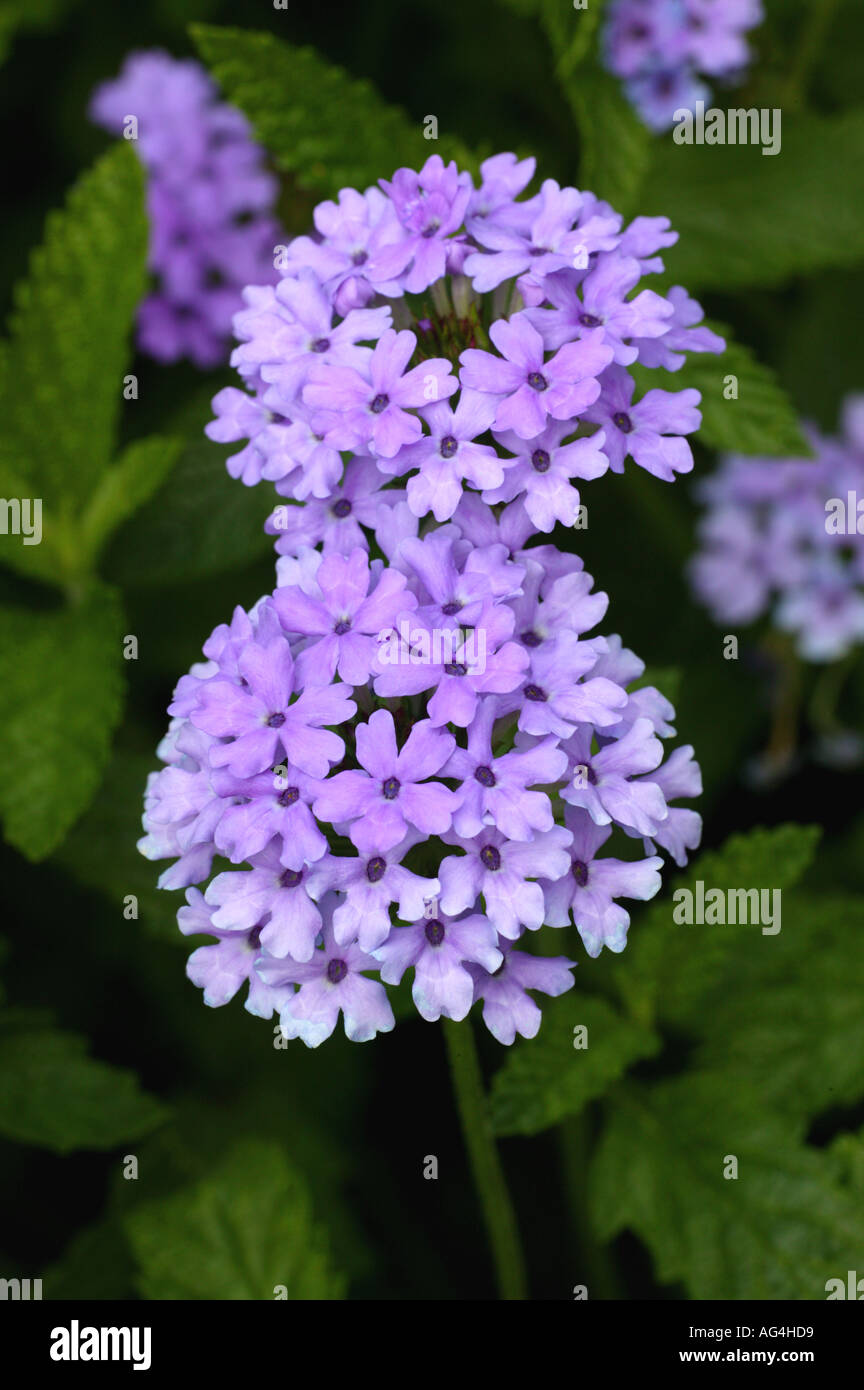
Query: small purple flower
point(221, 970)
point(336, 522)
point(528, 388)
point(587, 894)
point(370, 883)
point(601, 301)
point(551, 242)
point(684, 333)
point(269, 893)
point(503, 177)
point(360, 249)
point(507, 1008)
point(265, 723)
point(430, 206)
point(604, 784)
point(501, 870)
point(541, 472)
point(275, 803)
point(494, 791)
point(391, 792)
point(370, 410)
point(681, 831)
point(344, 622)
point(439, 948)
point(651, 431)
point(332, 982)
point(448, 456)
point(556, 696)
point(460, 667)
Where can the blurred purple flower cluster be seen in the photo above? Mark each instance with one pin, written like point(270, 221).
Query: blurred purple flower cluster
point(209, 199)
point(663, 48)
point(412, 753)
point(782, 538)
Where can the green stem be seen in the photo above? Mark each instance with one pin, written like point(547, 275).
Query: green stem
point(597, 1269)
point(826, 695)
point(488, 1174)
point(812, 36)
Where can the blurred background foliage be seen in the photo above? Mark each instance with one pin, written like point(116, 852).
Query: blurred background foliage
point(261, 1166)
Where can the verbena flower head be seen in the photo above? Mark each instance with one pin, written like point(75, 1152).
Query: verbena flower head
point(780, 538)
point(209, 199)
point(663, 49)
point(411, 755)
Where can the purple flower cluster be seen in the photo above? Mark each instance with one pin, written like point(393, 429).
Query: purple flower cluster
point(209, 201)
point(531, 309)
point(786, 537)
point(661, 49)
point(411, 754)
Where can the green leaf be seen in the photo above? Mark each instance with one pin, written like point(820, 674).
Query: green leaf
point(102, 853)
point(667, 967)
point(326, 128)
point(570, 32)
point(751, 219)
point(28, 14)
point(53, 1095)
point(548, 1077)
point(615, 146)
point(779, 1230)
point(96, 1264)
point(61, 371)
point(809, 985)
point(760, 420)
point(61, 694)
point(204, 524)
point(240, 1233)
point(138, 473)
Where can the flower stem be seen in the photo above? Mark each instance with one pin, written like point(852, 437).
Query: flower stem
point(498, 1213)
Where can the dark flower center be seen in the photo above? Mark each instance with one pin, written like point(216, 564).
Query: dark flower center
point(531, 639)
point(321, 345)
point(276, 721)
point(289, 796)
point(451, 608)
point(448, 446)
point(291, 878)
point(590, 320)
point(343, 626)
point(485, 776)
point(533, 692)
point(580, 872)
point(455, 668)
point(623, 421)
point(380, 403)
point(341, 508)
point(490, 857)
point(540, 460)
point(591, 775)
point(359, 258)
point(390, 789)
point(376, 868)
point(537, 381)
point(434, 931)
point(255, 936)
point(336, 971)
